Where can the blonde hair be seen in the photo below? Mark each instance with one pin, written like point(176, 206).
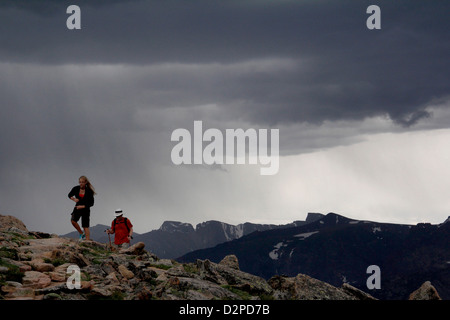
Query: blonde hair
point(88, 183)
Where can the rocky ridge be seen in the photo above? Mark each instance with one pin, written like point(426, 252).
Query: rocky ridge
point(35, 266)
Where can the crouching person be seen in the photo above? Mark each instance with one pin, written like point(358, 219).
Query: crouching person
point(123, 230)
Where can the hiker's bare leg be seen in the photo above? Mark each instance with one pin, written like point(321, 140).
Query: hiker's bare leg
point(75, 224)
point(87, 233)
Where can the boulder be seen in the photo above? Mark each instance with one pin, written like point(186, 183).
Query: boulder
point(11, 286)
point(230, 261)
point(101, 291)
point(59, 274)
point(359, 294)
point(127, 274)
point(21, 293)
point(425, 292)
point(135, 249)
point(144, 294)
point(53, 288)
point(36, 279)
point(8, 222)
point(303, 287)
point(22, 266)
point(112, 278)
point(41, 266)
point(222, 274)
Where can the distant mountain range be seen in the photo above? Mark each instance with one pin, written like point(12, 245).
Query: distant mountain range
point(337, 250)
point(174, 239)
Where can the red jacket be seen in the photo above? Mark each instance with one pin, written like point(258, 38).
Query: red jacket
point(119, 227)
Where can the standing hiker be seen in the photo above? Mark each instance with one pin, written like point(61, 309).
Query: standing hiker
point(123, 230)
point(83, 196)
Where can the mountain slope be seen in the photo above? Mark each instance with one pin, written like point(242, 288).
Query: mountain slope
point(339, 250)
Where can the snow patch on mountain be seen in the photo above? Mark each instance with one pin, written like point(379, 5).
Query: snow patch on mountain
point(274, 254)
point(305, 235)
point(376, 229)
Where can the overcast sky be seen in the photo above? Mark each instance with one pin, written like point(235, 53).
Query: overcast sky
point(363, 115)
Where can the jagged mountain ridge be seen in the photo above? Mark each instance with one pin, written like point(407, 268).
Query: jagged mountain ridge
point(337, 250)
point(174, 238)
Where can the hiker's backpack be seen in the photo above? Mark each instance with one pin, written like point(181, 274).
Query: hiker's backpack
point(125, 221)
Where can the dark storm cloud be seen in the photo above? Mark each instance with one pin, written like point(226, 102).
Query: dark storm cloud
point(340, 70)
point(102, 101)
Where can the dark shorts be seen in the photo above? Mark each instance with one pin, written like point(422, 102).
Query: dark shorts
point(84, 218)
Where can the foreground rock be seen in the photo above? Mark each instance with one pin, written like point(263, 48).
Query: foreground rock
point(303, 287)
point(10, 223)
point(425, 292)
point(38, 266)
